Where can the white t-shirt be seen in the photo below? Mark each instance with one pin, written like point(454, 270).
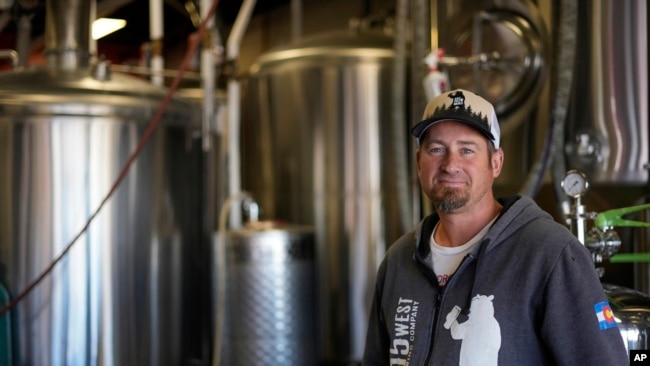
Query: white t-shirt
point(447, 259)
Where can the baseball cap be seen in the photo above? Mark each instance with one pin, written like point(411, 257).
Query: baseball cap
point(462, 106)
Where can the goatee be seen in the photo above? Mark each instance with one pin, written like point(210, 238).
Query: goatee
point(449, 199)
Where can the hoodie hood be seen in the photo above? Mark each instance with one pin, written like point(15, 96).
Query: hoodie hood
point(517, 212)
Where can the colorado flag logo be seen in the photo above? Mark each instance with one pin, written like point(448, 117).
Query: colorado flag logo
point(605, 315)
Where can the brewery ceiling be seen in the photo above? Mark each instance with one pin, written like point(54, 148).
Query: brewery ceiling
point(177, 18)
point(177, 14)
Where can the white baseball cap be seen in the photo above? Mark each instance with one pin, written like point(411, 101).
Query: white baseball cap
point(463, 106)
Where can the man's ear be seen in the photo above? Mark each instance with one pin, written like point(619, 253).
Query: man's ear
point(497, 162)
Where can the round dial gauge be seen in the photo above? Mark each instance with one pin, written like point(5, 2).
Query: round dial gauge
point(575, 184)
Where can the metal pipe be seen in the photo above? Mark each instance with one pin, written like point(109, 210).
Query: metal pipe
point(156, 29)
point(11, 54)
point(23, 11)
point(482, 60)
point(565, 69)
point(141, 70)
point(562, 79)
point(399, 156)
point(68, 40)
point(234, 91)
point(23, 37)
point(207, 77)
point(296, 19)
point(421, 41)
point(477, 46)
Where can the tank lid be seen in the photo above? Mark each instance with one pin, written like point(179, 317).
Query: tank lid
point(34, 89)
point(371, 44)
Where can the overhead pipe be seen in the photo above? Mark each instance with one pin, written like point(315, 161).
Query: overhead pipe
point(23, 36)
point(68, 43)
point(296, 19)
point(156, 30)
point(208, 76)
point(233, 97)
point(421, 32)
point(24, 12)
point(399, 156)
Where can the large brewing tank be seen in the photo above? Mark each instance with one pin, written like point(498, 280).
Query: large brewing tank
point(134, 288)
point(316, 150)
point(270, 296)
point(607, 128)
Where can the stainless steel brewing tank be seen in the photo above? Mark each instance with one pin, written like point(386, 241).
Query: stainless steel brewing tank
point(608, 121)
point(316, 150)
point(632, 313)
point(131, 290)
point(270, 297)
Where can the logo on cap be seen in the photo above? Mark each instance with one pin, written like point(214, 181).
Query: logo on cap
point(458, 102)
point(458, 99)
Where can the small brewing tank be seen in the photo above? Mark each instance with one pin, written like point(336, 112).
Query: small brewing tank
point(632, 312)
point(270, 307)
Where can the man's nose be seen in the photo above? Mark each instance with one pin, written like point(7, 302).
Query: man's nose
point(450, 162)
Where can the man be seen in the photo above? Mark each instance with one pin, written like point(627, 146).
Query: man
point(484, 281)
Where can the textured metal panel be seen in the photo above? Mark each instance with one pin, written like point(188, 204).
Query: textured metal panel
point(270, 298)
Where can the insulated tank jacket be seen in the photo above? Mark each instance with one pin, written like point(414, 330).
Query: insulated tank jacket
point(528, 294)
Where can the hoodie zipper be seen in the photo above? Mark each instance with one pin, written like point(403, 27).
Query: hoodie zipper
point(438, 303)
point(435, 325)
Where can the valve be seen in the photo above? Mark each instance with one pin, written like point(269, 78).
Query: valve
point(602, 240)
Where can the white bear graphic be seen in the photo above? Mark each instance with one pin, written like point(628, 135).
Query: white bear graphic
point(480, 334)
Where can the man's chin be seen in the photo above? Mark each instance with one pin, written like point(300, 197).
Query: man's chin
point(449, 202)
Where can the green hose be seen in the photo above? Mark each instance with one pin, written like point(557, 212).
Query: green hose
point(630, 258)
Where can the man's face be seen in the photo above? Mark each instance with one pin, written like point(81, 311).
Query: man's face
point(455, 167)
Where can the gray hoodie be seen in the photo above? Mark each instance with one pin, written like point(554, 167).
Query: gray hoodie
point(528, 294)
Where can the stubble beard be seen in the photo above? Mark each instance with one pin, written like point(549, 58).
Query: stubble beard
point(449, 199)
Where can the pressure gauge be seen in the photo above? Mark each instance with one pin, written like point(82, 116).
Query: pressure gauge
point(575, 184)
